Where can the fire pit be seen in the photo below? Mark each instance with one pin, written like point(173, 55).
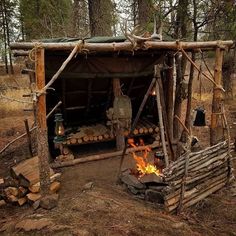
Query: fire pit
point(191, 178)
point(146, 180)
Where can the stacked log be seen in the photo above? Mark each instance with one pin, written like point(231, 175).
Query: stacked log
point(23, 186)
point(194, 176)
point(99, 133)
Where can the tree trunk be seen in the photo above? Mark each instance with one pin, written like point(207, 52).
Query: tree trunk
point(8, 39)
point(3, 13)
point(100, 17)
point(43, 152)
point(145, 12)
point(180, 33)
point(217, 130)
point(80, 14)
point(191, 73)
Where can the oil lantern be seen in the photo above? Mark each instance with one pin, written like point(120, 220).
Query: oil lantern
point(59, 129)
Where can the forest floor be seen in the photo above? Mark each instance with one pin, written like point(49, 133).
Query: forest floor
point(106, 208)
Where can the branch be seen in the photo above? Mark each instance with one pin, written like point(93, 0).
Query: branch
point(32, 129)
point(15, 100)
point(72, 54)
point(198, 69)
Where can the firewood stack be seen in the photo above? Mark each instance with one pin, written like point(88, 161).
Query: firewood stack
point(100, 133)
point(194, 176)
point(23, 186)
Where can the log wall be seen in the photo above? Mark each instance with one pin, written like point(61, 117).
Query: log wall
point(195, 176)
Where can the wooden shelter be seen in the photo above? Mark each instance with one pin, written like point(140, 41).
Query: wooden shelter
point(102, 68)
point(128, 88)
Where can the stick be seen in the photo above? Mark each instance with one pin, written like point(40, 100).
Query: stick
point(28, 137)
point(55, 76)
point(179, 208)
point(30, 130)
point(228, 137)
point(159, 108)
point(14, 140)
point(199, 70)
point(135, 123)
point(54, 108)
point(183, 125)
point(165, 120)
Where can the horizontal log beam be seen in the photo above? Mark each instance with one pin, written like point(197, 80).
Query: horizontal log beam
point(123, 46)
point(101, 156)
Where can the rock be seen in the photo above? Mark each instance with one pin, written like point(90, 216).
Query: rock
point(131, 180)
point(36, 205)
point(2, 203)
point(29, 225)
point(49, 202)
point(154, 196)
point(151, 178)
point(88, 186)
point(133, 189)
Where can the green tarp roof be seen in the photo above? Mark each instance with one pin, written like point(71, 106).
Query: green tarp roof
point(100, 39)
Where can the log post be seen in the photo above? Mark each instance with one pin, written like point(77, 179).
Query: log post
point(170, 93)
point(42, 141)
point(217, 131)
point(120, 139)
point(160, 115)
point(28, 137)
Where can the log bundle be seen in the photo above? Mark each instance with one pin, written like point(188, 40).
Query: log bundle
point(194, 176)
point(23, 184)
point(100, 133)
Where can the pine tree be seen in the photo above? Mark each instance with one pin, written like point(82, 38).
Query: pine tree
point(100, 17)
point(43, 19)
point(80, 19)
point(7, 16)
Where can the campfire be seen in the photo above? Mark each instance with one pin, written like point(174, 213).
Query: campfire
point(186, 181)
point(144, 167)
point(145, 180)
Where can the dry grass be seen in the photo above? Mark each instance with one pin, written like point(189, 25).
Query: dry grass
point(13, 86)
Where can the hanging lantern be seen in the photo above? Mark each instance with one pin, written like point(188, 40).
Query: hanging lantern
point(59, 128)
point(200, 118)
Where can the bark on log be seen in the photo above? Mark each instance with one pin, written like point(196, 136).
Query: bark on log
point(124, 46)
point(42, 136)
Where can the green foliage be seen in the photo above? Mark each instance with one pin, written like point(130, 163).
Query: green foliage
point(43, 18)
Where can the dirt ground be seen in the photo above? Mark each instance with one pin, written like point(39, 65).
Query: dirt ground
point(106, 208)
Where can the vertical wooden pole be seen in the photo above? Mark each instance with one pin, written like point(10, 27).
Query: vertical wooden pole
point(28, 137)
point(42, 141)
point(216, 131)
point(170, 95)
point(120, 139)
point(160, 115)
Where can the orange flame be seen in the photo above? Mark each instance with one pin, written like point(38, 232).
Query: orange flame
point(143, 166)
